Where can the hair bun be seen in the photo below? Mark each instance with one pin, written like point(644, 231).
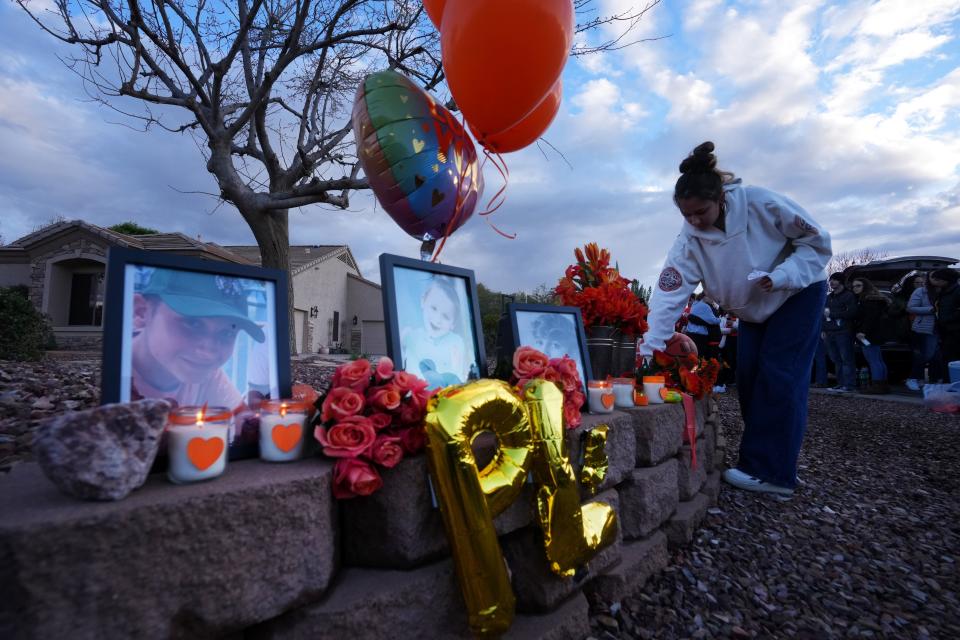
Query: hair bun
point(700, 159)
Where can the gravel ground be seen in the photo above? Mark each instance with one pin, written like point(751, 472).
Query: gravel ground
point(866, 548)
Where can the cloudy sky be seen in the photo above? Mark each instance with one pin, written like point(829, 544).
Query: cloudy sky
point(851, 108)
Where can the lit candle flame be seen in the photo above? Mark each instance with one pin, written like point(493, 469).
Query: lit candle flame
point(200, 418)
point(283, 409)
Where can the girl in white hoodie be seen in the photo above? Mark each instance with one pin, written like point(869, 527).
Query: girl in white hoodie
point(763, 258)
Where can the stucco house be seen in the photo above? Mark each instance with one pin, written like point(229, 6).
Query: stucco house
point(63, 267)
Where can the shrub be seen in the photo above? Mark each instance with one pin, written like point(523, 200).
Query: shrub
point(26, 332)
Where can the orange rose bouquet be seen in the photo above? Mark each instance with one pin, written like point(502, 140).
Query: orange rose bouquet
point(371, 416)
point(529, 364)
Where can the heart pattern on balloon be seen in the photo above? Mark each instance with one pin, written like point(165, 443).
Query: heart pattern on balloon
point(286, 436)
point(203, 452)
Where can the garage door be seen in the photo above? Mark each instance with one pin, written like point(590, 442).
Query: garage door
point(373, 338)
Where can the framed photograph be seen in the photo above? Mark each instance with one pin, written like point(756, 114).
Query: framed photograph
point(196, 332)
point(432, 320)
point(556, 331)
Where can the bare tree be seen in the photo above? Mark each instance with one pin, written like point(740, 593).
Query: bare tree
point(264, 86)
point(840, 261)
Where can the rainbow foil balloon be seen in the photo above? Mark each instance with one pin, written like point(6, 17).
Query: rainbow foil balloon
point(421, 164)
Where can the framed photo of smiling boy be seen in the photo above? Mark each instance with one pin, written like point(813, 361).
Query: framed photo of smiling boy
point(432, 318)
point(196, 333)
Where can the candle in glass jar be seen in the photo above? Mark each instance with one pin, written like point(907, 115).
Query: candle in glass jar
point(600, 398)
point(197, 443)
point(651, 388)
point(623, 392)
point(282, 425)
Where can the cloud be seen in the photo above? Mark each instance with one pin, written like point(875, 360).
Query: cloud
point(849, 108)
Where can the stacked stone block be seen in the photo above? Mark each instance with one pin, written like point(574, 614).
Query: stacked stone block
point(264, 551)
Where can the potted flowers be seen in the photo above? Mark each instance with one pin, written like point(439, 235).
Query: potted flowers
point(612, 312)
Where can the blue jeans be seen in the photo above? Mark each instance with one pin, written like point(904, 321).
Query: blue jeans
point(924, 351)
point(774, 359)
point(878, 368)
point(840, 350)
point(820, 362)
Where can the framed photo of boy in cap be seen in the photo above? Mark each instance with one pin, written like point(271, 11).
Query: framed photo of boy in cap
point(196, 333)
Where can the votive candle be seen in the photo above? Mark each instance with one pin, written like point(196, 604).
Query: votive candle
point(197, 443)
point(282, 425)
point(600, 396)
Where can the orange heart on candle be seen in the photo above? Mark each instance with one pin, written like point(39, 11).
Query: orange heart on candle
point(203, 452)
point(286, 436)
point(607, 400)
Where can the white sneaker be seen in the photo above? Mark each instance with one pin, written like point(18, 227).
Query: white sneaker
point(745, 481)
point(913, 384)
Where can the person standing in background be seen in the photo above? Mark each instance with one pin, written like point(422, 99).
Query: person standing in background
point(871, 331)
point(729, 325)
point(923, 339)
point(838, 316)
point(947, 313)
point(703, 327)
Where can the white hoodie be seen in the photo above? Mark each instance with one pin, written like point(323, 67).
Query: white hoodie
point(765, 231)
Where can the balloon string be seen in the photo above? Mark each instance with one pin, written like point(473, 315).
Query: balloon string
point(499, 196)
point(508, 236)
point(457, 207)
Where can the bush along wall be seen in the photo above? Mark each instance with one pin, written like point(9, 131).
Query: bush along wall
point(26, 332)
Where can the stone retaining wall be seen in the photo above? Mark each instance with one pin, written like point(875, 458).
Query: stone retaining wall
point(265, 552)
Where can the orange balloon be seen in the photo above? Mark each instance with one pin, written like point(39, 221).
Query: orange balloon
point(435, 11)
point(527, 130)
point(502, 57)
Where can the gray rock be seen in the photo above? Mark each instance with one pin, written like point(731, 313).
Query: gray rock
point(641, 559)
point(681, 527)
point(199, 560)
point(569, 621)
point(711, 487)
point(648, 498)
point(659, 430)
point(710, 448)
point(398, 527)
point(102, 453)
point(378, 603)
point(690, 479)
point(621, 447)
point(536, 587)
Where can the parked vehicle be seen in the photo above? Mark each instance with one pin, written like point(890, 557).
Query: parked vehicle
point(892, 277)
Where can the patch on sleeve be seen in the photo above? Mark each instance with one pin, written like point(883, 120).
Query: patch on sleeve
point(804, 225)
point(670, 280)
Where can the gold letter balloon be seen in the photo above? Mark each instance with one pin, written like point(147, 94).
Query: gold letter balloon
point(530, 437)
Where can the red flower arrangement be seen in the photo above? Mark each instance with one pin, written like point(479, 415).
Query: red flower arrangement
point(529, 364)
point(371, 416)
point(688, 373)
point(603, 295)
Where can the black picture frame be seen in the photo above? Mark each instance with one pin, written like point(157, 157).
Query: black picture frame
point(128, 270)
point(570, 327)
point(403, 282)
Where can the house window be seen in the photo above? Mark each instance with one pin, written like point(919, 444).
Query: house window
point(336, 326)
point(86, 299)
